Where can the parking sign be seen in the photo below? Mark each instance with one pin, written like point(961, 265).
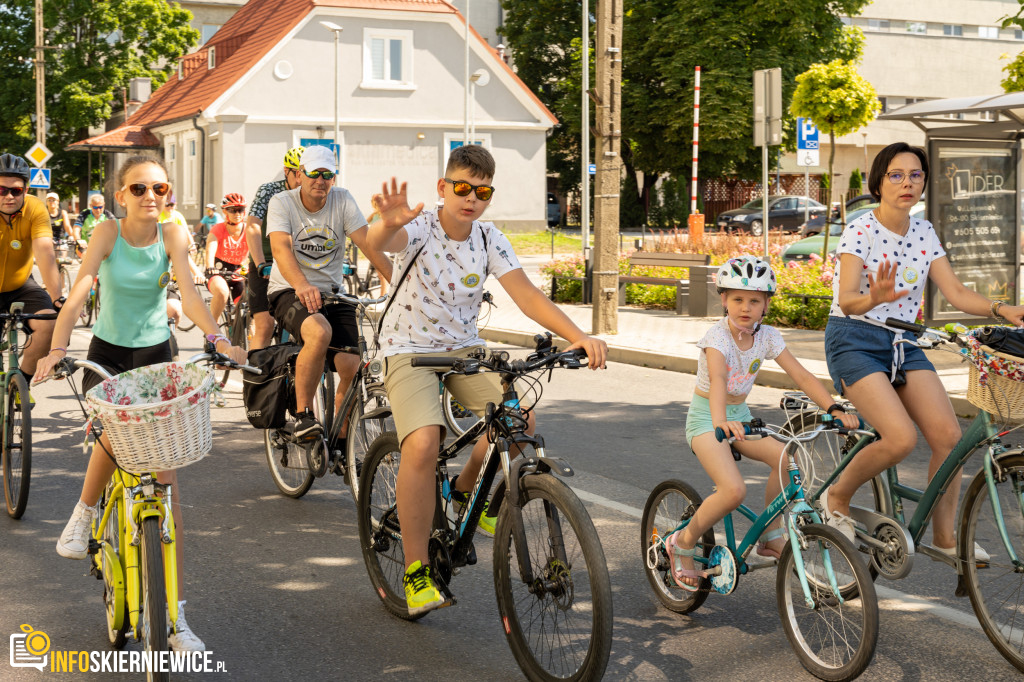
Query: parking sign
point(806, 142)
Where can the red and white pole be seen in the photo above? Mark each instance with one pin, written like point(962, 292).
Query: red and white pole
point(696, 138)
point(696, 221)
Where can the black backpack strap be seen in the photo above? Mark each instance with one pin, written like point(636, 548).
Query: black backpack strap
point(394, 292)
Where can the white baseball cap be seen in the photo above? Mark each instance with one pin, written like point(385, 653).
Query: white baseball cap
point(317, 157)
point(213, 206)
point(52, 195)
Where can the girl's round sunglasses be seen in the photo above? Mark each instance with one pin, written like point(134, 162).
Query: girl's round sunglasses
point(138, 189)
point(463, 188)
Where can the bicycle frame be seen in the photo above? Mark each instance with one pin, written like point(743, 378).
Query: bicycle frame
point(982, 431)
point(138, 495)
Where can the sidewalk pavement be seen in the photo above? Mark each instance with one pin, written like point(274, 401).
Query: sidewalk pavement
point(664, 340)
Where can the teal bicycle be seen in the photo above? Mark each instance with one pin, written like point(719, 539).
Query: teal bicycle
point(825, 595)
point(991, 515)
point(15, 411)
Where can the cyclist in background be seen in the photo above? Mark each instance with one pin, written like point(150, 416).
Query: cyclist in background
point(226, 251)
point(172, 215)
point(90, 217)
point(206, 223)
point(259, 249)
point(25, 237)
point(59, 221)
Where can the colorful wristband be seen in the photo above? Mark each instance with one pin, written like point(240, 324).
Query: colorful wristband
point(214, 338)
point(59, 348)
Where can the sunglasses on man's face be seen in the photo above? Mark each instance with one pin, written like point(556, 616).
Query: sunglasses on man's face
point(13, 191)
point(325, 174)
point(463, 188)
point(96, 208)
point(139, 189)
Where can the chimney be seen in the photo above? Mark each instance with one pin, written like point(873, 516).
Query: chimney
point(139, 89)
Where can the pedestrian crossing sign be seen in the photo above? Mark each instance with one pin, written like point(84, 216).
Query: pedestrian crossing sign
point(39, 178)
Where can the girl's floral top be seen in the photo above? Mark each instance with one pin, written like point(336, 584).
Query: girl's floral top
point(147, 392)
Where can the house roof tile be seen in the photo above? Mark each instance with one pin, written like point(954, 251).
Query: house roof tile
point(124, 137)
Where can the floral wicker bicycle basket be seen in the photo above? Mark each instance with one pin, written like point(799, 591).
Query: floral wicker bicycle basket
point(996, 382)
point(157, 417)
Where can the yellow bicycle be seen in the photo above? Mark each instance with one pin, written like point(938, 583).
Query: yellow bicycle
point(132, 545)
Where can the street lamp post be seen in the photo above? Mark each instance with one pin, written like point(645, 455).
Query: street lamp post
point(465, 98)
point(480, 77)
point(336, 30)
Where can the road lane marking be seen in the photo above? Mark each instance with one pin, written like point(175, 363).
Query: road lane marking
point(888, 598)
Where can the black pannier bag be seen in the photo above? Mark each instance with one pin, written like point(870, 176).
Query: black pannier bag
point(267, 396)
point(1006, 340)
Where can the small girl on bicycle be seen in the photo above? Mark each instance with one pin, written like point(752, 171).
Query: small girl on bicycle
point(733, 352)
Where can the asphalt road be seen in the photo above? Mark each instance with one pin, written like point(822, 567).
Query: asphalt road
point(277, 588)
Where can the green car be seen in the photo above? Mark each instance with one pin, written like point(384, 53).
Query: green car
point(803, 249)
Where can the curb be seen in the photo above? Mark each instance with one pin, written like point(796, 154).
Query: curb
point(771, 378)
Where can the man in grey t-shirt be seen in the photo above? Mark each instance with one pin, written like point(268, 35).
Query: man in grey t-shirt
point(307, 227)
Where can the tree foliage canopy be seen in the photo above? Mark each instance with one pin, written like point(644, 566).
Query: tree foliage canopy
point(663, 40)
point(97, 47)
point(835, 97)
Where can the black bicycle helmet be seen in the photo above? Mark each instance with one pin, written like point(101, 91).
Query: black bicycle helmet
point(13, 166)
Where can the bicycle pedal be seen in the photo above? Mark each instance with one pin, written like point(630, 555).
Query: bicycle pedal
point(94, 547)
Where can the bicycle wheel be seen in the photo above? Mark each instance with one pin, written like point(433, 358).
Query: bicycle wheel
point(456, 417)
point(380, 537)
point(85, 314)
point(834, 640)
point(65, 280)
point(559, 626)
point(287, 462)
point(112, 571)
point(362, 433)
point(154, 592)
point(668, 505)
point(234, 329)
point(995, 587)
point(17, 450)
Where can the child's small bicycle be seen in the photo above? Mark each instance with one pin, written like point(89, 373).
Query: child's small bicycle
point(824, 592)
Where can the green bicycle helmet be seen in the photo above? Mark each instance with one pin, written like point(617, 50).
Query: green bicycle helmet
point(292, 156)
point(13, 167)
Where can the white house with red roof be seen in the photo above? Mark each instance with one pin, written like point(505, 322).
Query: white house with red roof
point(265, 83)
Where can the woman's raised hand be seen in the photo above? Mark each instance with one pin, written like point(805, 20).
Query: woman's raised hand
point(883, 284)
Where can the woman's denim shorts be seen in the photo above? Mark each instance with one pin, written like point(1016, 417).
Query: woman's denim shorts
point(855, 349)
point(698, 418)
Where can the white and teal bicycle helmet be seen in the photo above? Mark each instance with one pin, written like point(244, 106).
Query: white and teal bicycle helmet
point(748, 273)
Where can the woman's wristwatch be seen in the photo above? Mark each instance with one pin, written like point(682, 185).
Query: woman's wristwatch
point(835, 406)
point(996, 305)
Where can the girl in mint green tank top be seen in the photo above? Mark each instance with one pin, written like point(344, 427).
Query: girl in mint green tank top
point(133, 295)
point(133, 260)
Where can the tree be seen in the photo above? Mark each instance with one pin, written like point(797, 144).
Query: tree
point(663, 41)
point(1014, 81)
point(838, 100)
point(99, 47)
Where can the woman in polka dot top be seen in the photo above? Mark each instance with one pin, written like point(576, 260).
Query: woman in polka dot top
point(885, 258)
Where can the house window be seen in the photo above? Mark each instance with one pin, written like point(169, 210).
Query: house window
point(171, 151)
point(1018, 34)
point(952, 30)
point(387, 59)
point(917, 27)
point(883, 104)
point(878, 24)
point(208, 30)
point(191, 173)
point(211, 57)
point(988, 32)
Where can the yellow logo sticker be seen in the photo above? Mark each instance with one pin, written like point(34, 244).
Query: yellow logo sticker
point(471, 280)
point(754, 366)
point(164, 280)
point(909, 275)
point(15, 244)
point(329, 244)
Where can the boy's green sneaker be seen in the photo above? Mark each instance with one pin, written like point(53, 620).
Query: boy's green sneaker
point(486, 522)
point(420, 594)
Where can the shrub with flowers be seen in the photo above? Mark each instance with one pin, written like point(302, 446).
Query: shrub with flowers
point(812, 277)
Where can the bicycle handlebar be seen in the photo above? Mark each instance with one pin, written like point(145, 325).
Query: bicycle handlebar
point(67, 365)
point(28, 316)
point(759, 429)
point(498, 362)
point(338, 297)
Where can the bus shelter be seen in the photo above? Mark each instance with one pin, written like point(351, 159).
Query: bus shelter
point(973, 194)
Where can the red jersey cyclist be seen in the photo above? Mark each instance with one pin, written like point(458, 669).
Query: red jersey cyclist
point(226, 251)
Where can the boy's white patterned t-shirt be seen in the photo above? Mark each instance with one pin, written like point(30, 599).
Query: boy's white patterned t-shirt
point(437, 306)
point(913, 253)
point(743, 364)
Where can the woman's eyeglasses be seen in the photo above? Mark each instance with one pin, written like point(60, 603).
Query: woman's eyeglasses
point(13, 191)
point(463, 188)
point(315, 174)
point(138, 189)
point(896, 177)
point(235, 209)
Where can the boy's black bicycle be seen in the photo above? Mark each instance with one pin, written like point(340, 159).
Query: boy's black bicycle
point(550, 575)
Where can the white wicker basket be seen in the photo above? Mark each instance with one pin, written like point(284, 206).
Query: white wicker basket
point(157, 417)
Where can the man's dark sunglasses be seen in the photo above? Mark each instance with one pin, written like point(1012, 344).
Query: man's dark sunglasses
point(325, 174)
point(463, 188)
point(13, 191)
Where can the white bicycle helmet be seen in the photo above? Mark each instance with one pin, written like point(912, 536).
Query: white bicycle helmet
point(748, 273)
